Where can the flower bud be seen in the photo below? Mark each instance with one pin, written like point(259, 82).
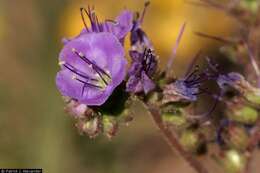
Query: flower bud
point(173, 116)
point(243, 114)
point(126, 117)
point(253, 96)
point(236, 137)
point(110, 126)
point(233, 161)
point(176, 120)
point(91, 127)
point(75, 109)
point(190, 140)
point(251, 5)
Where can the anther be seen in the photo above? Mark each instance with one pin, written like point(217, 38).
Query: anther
point(94, 66)
point(61, 63)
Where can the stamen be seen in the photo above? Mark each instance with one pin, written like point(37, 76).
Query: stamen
point(192, 73)
point(96, 68)
point(149, 59)
point(146, 4)
point(86, 83)
point(74, 70)
point(111, 21)
point(95, 25)
point(92, 17)
point(194, 60)
point(82, 10)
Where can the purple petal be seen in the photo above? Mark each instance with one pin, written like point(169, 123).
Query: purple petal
point(103, 50)
point(123, 26)
point(148, 84)
point(134, 84)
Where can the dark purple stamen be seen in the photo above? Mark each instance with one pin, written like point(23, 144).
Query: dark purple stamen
point(95, 25)
point(97, 69)
point(193, 62)
point(81, 74)
point(147, 59)
point(192, 73)
point(88, 84)
point(74, 70)
point(146, 4)
point(82, 10)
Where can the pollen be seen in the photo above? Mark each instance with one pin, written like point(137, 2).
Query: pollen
point(61, 63)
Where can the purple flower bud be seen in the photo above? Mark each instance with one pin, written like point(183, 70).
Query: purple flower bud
point(92, 66)
point(141, 71)
point(138, 38)
point(123, 25)
point(230, 80)
point(120, 27)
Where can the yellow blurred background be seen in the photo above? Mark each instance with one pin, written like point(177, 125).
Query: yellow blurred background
point(34, 130)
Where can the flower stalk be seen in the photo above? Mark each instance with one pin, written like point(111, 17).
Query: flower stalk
point(173, 140)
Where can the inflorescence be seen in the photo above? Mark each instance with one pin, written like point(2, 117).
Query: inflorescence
point(99, 88)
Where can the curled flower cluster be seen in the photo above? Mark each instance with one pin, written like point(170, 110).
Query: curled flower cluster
point(99, 88)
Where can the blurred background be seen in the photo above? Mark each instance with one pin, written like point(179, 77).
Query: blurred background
point(35, 132)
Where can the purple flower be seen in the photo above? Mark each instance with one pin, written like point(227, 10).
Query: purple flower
point(188, 88)
point(141, 71)
point(179, 91)
point(144, 61)
point(139, 40)
point(92, 66)
point(120, 27)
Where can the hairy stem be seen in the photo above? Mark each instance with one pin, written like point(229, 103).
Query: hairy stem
point(173, 141)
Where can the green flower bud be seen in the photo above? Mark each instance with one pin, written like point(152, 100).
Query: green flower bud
point(190, 140)
point(244, 114)
point(153, 97)
point(176, 120)
point(251, 5)
point(173, 116)
point(234, 162)
point(253, 97)
point(236, 137)
point(110, 126)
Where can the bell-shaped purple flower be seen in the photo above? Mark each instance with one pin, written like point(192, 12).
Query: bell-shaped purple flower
point(141, 71)
point(92, 66)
